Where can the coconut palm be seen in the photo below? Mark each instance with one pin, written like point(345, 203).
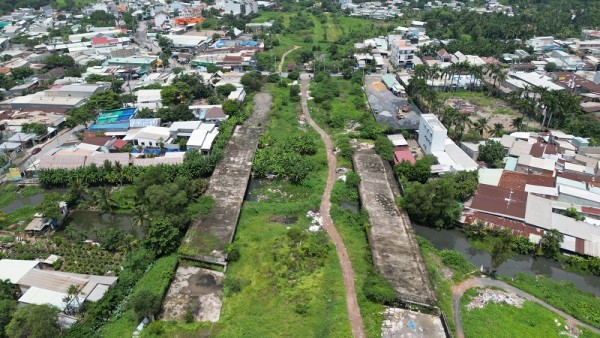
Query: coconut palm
point(498, 130)
point(518, 123)
point(103, 200)
point(140, 216)
point(481, 125)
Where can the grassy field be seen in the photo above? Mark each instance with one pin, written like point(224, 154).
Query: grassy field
point(177, 329)
point(562, 295)
point(502, 320)
point(156, 280)
point(266, 307)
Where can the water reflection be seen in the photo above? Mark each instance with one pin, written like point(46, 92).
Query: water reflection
point(455, 240)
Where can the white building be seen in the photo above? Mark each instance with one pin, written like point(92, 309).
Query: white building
point(432, 134)
point(403, 52)
point(149, 98)
point(239, 7)
point(148, 136)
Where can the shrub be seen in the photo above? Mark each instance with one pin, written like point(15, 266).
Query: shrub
point(384, 148)
point(378, 290)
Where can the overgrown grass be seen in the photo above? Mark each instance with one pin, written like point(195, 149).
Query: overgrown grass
point(177, 329)
point(560, 294)
point(503, 320)
point(24, 214)
point(8, 193)
point(313, 305)
point(201, 207)
point(31, 190)
point(441, 284)
point(156, 280)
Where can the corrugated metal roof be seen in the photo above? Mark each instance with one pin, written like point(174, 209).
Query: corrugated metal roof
point(500, 201)
point(41, 296)
point(14, 269)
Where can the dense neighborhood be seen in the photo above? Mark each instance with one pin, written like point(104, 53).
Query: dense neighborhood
point(270, 168)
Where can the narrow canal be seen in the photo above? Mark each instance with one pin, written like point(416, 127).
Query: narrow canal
point(456, 240)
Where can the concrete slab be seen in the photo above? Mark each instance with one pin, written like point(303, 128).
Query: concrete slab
point(385, 105)
point(401, 323)
point(209, 235)
point(394, 248)
point(197, 290)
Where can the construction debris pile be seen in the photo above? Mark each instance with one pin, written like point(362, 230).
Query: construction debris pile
point(495, 296)
point(317, 220)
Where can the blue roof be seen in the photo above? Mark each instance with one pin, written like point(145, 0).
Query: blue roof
point(511, 163)
point(110, 126)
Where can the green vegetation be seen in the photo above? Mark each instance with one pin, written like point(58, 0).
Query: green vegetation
point(176, 329)
point(263, 295)
point(531, 320)
point(560, 294)
point(492, 152)
point(458, 268)
point(437, 202)
point(476, 98)
point(23, 214)
point(155, 282)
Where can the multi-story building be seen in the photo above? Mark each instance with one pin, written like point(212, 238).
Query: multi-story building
point(403, 52)
point(432, 134)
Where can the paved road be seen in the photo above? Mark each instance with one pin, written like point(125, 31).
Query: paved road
point(459, 290)
point(48, 146)
point(280, 67)
point(356, 321)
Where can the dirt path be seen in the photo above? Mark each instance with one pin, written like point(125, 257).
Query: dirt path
point(459, 290)
point(356, 321)
point(280, 67)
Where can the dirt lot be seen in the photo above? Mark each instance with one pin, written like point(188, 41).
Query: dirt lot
point(197, 290)
point(496, 111)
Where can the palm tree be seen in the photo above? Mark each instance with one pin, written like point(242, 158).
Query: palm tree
point(140, 215)
point(72, 295)
point(498, 130)
point(481, 125)
point(461, 122)
point(103, 200)
point(77, 189)
point(518, 123)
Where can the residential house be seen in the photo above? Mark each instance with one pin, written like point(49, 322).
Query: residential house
point(403, 53)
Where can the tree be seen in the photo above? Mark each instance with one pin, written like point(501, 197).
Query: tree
point(550, 67)
point(251, 81)
point(49, 206)
point(80, 116)
point(481, 125)
point(573, 213)
point(103, 199)
point(550, 243)
point(35, 128)
point(55, 61)
point(492, 152)
point(145, 304)
point(21, 72)
point(432, 203)
point(7, 310)
point(230, 107)
point(518, 123)
point(501, 250)
point(225, 90)
point(161, 237)
point(498, 130)
point(34, 321)
point(418, 172)
point(295, 93)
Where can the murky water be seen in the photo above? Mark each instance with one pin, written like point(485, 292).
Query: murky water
point(88, 221)
point(253, 186)
point(34, 200)
point(351, 206)
point(456, 240)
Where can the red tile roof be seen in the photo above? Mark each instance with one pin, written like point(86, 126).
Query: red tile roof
point(97, 140)
point(500, 201)
point(119, 144)
point(517, 181)
point(103, 40)
point(539, 149)
point(517, 228)
point(403, 155)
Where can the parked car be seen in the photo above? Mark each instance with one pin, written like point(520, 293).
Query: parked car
point(35, 151)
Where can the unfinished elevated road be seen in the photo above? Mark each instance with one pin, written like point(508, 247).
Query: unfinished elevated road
point(394, 248)
point(209, 235)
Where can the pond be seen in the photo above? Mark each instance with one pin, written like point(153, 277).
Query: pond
point(89, 221)
point(34, 200)
point(456, 240)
